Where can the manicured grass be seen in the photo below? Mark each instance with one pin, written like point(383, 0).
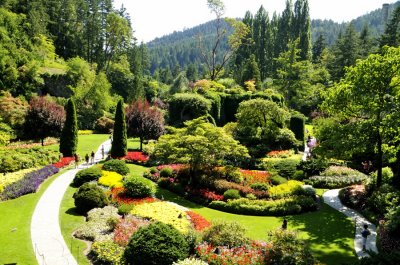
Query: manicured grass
point(133, 143)
point(16, 215)
point(15, 219)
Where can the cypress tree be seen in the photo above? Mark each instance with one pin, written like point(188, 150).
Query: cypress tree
point(119, 143)
point(297, 125)
point(69, 134)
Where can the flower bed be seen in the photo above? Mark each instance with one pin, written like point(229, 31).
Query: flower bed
point(204, 194)
point(255, 176)
point(280, 153)
point(136, 158)
point(333, 182)
point(118, 196)
point(10, 178)
point(163, 212)
point(28, 184)
point(64, 161)
point(198, 221)
point(111, 179)
point(286, 189)
point(126, 227)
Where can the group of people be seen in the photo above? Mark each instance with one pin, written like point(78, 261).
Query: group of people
point(88, 158)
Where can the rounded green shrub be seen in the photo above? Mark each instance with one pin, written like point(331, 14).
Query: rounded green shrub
point(224, 233)
point(86, 175)
point(116, 165)
point(259, 186)
point(231, 194)
point(156, 244)
point(89, 196)
point(153, 170)
point(277, 180)
point(298, 175)
point(166, 172)
point(138, 187)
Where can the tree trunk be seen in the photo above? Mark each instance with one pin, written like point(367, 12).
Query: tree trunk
point(141, 143)
point(42, 141)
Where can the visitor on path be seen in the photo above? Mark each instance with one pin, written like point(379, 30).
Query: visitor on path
point(76, 157)
point(365, 233)
point(102, 152)
point(111, 137)
point(87, 159)
point(92, 158)
point(284, 224)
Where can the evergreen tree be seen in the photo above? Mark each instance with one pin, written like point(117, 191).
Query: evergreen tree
point(251, 71)
point(391, 35)
point(318, 47)
point(69, 134)
point(302, 28)
point(119, 142)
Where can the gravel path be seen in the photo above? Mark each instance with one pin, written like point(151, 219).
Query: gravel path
point(48, 243)
point(331, 197)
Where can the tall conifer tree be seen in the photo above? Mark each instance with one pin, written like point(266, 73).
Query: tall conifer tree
point(119, 143)
point(69, 135)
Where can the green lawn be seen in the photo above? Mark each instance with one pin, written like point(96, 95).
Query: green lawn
point(15, 215)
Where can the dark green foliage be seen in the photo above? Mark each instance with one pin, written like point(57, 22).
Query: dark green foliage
point(285, 167)
point(383, 199)
point(230, 234)
point(259, 186)
point(119, 142)
point(156, 244)
point(297, 125)
point(231, 194)
point(138, 187)
point(298, 175)
point(69, 134)
point(116, 165)
point(86, 175)
point(187, 106)
point(89, 196)
point(313, 167)
point(393, 221)
point(277, 180)
point(166, 172)
point(380, 258)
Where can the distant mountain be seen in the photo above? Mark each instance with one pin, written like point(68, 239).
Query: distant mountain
point(181, 48)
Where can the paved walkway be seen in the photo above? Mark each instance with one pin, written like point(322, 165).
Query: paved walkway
point(48, 243)
point(331, 197)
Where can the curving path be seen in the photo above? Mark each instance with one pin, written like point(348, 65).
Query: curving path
point(48, 243)
point(331, 197)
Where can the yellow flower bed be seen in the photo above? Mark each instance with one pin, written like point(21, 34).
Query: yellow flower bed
point(163, 212)
point(9, 178)
point(85, 132)
point(285, 189)
point(111, 179)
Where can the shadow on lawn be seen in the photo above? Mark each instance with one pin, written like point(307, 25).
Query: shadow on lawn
point(331, 234)
point(173, 197)
point(72, 211)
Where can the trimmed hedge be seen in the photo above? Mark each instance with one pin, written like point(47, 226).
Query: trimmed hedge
point(138, 187)
point(116, 165)
point(282, 207)
point(86, 175)
point(89, 196)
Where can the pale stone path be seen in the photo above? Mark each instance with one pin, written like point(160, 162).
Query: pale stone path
point(48, 243)
point(331, 197)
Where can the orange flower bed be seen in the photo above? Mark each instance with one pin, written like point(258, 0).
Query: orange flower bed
point(198, 221)
point(280, 153)
point(255, 176)
point(118, 196)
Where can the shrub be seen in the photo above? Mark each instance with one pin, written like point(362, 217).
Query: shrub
point(86, 175)
point(223, 185)
point(287, 248)
point(233, 174)
point(100, 224)
point(393, 221)
point(104, 125)
point(335, 181)
point(298, 175)
point(255, 176)
point(309, 190)
point(278, 180)
point(224, 233)
point(387, 175)
point(313, 167)
point(119, 143)
point(231, 194)
point(297, 126)
point(259, 186)
point(116, 165)
point(166, 172)
point(380, 258)
point(69, 134)
point(156, 244)
point(286, 167)
point(111, 179)
point(280, 207)
point(106, 252)
point(383, 199)
point(354, 196)
point(138, 187)
point(285, 190)
point(153, 170)
point(126, 227)
point(89, 196)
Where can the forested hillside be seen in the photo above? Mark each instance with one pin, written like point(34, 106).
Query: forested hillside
point(180, 49)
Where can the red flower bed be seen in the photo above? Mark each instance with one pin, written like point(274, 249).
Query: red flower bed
point(136, 157)
point(118, 196)
point(198, 221)
point(65, 161)
point(255, 176)
point(175, 167)
point(126, 227)
point(206, 194)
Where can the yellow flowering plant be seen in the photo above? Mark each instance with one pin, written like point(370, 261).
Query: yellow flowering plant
point(111, 179)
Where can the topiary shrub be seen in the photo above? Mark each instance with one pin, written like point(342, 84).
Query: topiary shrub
point(231, 194)
point(156, 244)
point(166, 172)
point(277, 180)
point(119, 142)
point(224, 233)
point(116, 165)
point(138, 187)
point(86, 175)
point(89, 196)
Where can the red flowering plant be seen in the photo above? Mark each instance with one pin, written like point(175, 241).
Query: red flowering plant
point(175, 167)
point(119, 197)
point(205, 194)
point(198, 221)
point(253, 254)
point(255, 176)
point(64, 161)
point(136, 157)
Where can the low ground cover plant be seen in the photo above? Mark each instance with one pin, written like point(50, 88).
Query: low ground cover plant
point(111, 179)
point(106, 252)
point(8, 178)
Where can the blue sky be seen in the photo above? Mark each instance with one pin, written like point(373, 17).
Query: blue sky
point(155, 18)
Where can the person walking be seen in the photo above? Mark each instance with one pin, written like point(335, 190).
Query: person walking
point(102, 152)
point(284, 224)
point(92, 158)
point(76, 157)
point(87, 159)
point(365, 233)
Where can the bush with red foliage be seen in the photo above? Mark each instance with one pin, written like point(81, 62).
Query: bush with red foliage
point(204, 194)
point(64, 161)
